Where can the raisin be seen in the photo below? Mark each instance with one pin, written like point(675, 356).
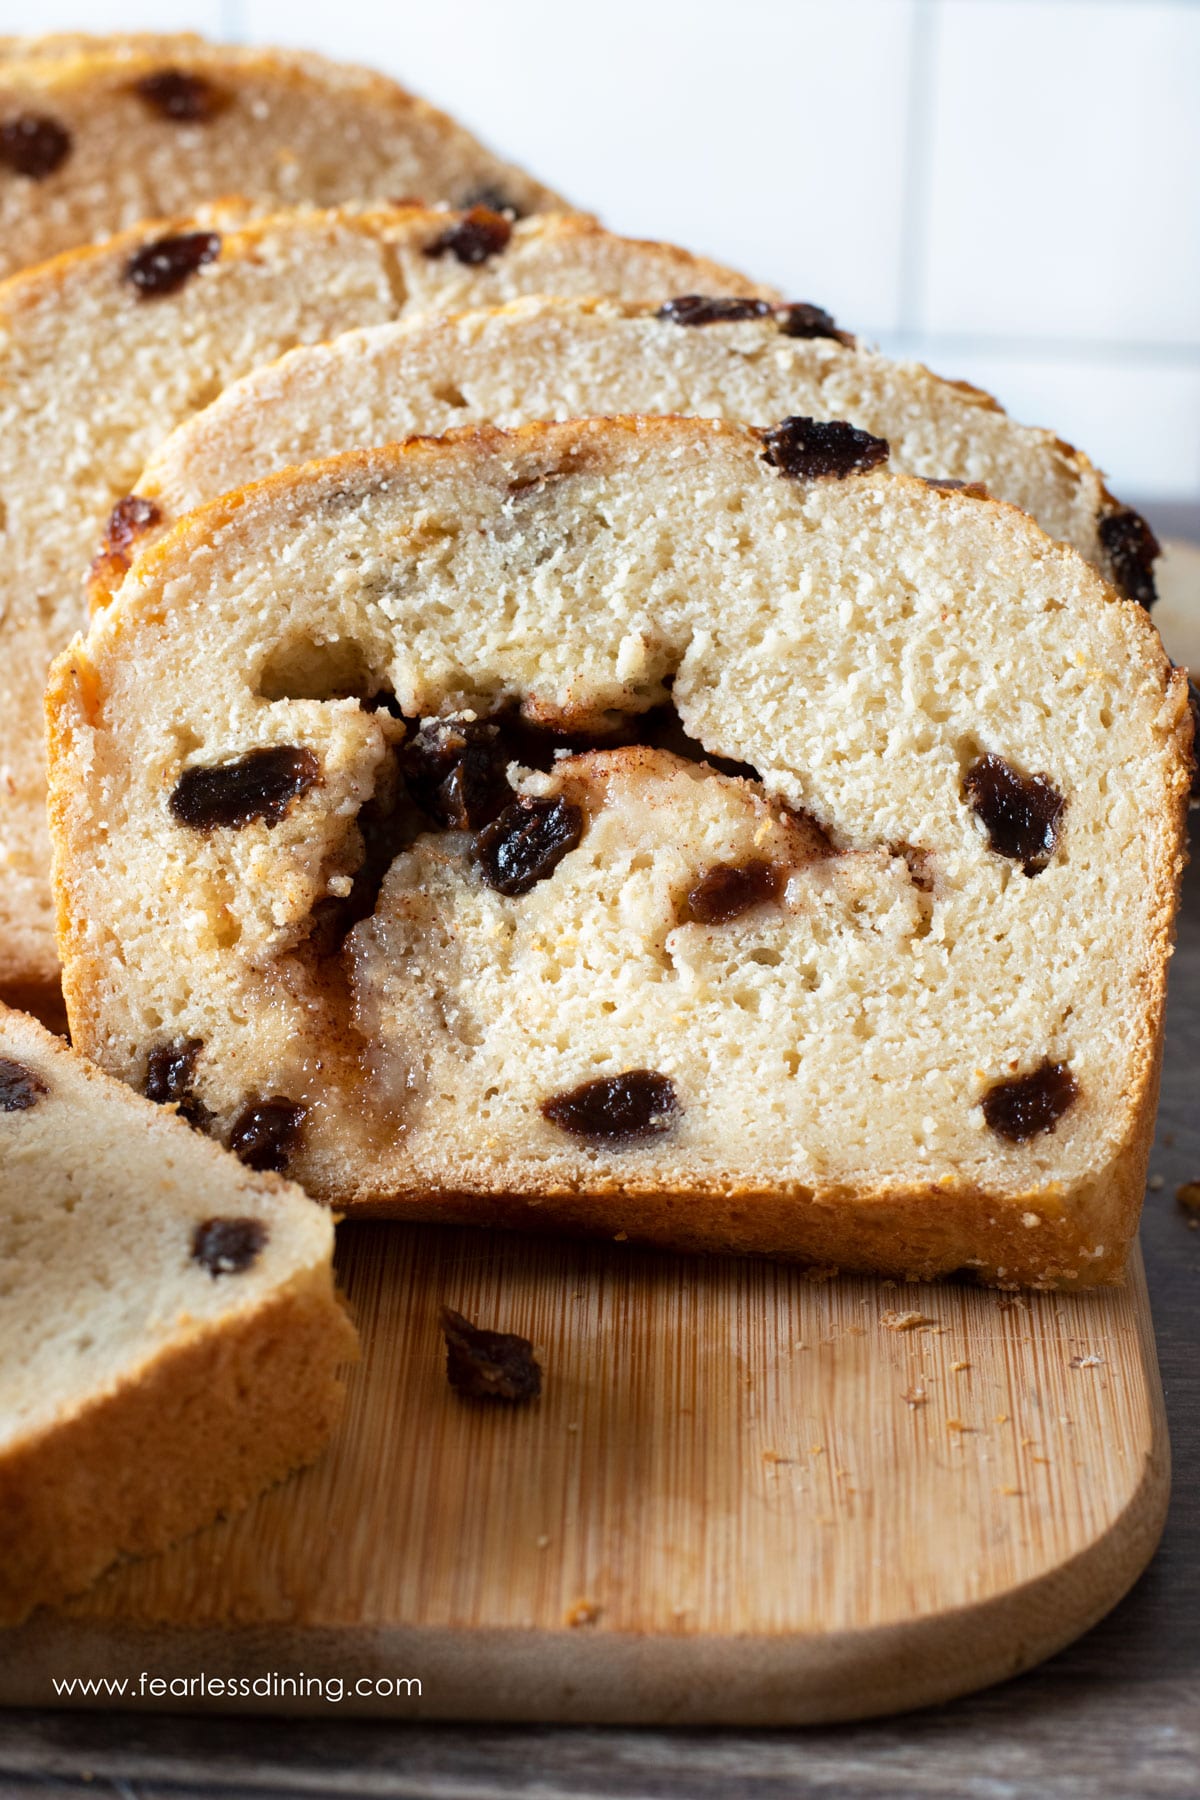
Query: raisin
point(488, 1365)
point(128, 517)
point(20, 1088)
point(701, 309)
point(949, 484)
point(1021, 812)
point(185, 99)
point(265, 1134)
point(1021, 1108)
point(1132, 548)
point(455, 772)
point(34, 145)
point(800, 320)
point(227, 1246)
point(527, 843)
point(618, 1109)
point(491, 199)
point(162, 267)
point(809, 449)
point(728, 890)
point(478, 235)
point(260, 785)
point(169, 1072)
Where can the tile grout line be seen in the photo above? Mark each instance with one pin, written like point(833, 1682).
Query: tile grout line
point(917, 152)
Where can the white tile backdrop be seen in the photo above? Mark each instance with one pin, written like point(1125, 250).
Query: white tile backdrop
point(1009, 189)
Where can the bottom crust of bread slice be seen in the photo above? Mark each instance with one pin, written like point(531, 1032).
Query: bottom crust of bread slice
point(169, 1332)
point(841, 934)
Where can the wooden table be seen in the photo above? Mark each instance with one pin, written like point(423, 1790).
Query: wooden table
point(1116, 1715)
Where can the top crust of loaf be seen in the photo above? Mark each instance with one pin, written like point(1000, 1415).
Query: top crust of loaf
point(574, 568)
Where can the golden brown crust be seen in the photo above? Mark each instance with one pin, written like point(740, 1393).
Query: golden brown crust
point(201, 1434)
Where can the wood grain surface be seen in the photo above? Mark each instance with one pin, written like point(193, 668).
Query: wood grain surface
point(744, 1497)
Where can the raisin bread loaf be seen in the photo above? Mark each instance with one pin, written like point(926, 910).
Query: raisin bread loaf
point(103, 352)
point(877, 981)
point(549, 358)
point(169, 1333)
point(93, 138)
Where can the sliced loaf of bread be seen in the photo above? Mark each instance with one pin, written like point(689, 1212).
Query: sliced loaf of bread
point(841, 935)
point(96, 366)
point(94, 137)
point(169, 1334)
point(549, 358)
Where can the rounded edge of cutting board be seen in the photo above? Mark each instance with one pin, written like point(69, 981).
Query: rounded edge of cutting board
point(585, 1674)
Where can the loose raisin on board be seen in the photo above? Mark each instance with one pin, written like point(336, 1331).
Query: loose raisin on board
point(265, 1134)
point(184, 98)
point(801, 320)
point(527, 843)
point(456, 772)
point(169, 1072)
point(1021, 812)
point(728, 890)
point(129, 517)
point(20, 1088)
point(478, 235)
point(1029, 1104)
point(810, 449)
point(1132, 548)
point(705, 309)
point(617, 1109)
point(34, 145)
point(260, 785)
point(162, 267)
point(488, 1365)
point(228, 1246)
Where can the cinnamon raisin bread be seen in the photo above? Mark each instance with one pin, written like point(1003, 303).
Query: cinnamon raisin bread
point(548, 358)
point(94, 138)
point(169, 1333)
point(103, 352)
point(877, 981)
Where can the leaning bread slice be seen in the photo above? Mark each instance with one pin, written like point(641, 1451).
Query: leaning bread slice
point(879, 983)
point(169, 1332)
point(550, 358)
point(101, 354)
point(94, 138)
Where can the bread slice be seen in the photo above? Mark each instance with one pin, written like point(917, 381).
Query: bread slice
point(550, 358)
point(169, 1332)
point(877, 982)
point(97, 43)
point(94, 138)
point(93, 373)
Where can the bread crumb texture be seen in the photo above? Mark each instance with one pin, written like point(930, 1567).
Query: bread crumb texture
point(772, 976)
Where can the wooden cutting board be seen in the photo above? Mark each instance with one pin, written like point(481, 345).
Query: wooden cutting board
point(744, 1497)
